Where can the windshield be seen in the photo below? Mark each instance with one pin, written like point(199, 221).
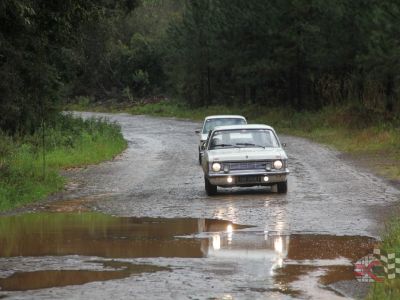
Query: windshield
point(210, 124)
point(262, 138)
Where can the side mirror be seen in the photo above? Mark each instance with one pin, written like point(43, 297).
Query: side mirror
point(197, 131)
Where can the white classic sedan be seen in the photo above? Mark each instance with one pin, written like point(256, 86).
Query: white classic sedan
point(244, 155)
point(211, 122)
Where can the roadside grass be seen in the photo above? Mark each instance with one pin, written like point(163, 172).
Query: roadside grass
point(389, 289)
point(70, 142)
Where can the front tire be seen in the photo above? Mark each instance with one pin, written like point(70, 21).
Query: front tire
point(199, 158)
point(282, 187)
point(211, 189)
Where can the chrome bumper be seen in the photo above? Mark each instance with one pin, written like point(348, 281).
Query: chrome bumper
point(248, 178)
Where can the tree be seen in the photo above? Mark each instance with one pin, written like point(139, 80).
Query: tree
point(40, 54)
point(34, 41)
point(306, 54)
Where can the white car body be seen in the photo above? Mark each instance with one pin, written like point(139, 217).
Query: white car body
point(211, 122)
point(244, 155)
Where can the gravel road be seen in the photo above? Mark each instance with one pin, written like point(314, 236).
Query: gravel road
point(159, 176)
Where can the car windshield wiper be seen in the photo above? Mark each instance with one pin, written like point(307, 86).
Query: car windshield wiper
point(249, 144)
point(223, 145)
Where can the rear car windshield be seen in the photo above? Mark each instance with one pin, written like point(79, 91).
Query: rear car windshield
point(210, 124)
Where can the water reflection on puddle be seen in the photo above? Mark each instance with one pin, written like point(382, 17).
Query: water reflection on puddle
point(93, 234)
point(284, 258)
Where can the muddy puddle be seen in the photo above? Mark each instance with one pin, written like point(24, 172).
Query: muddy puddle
point(24, 281)
point(95, 234)
point(46, 250)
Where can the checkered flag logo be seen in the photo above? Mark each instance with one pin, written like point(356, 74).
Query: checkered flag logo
point(390, 264)
point(365, 269)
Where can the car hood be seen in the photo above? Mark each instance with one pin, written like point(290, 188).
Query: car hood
point(243, 154)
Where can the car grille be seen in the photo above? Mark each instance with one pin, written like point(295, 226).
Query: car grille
point(248, 179)
point(251, 165)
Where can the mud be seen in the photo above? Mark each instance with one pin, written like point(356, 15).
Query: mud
point(380, 164)
point(301, 244)
point(24, 281)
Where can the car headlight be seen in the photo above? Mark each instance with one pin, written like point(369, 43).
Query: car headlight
point(216, 167)
point(278, 164)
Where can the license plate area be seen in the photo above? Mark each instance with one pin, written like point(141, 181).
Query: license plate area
point(248, 179)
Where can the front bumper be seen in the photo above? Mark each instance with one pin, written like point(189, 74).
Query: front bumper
point(248, 178)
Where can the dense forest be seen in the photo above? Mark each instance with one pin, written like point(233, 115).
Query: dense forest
point(297, 53)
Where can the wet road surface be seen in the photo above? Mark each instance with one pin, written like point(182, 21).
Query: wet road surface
point(297, 245)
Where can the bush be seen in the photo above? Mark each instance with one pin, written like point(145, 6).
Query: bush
point(68, 142)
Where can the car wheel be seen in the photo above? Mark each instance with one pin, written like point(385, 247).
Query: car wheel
point(199, 158)
point(282, 187)
point(210, 188)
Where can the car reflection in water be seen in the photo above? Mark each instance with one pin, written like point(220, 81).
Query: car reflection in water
point(34, 245)
point(264, 250)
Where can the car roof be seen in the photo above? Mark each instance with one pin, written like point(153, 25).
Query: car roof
point(248, 126)
point(225, 117)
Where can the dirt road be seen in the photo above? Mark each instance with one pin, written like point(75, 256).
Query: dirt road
point(298, 243)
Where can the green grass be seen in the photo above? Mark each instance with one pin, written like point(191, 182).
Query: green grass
point(390, 288)
point(70, 142)
point(387, 290)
